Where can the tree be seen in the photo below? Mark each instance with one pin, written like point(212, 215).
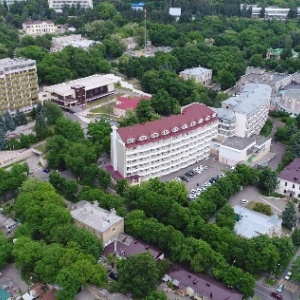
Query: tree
point(41, 129)
point(296, 237)
point(226, 79)
point(129, 119)
point(157, 295)
point(17, 118)
point(226, 217)
point(52, 112)
point(257, 60)
point(144, 111)
point(138, 274)
point(121, 186)
point(294, 146)
point(268, 180)
point(2, 124)
point(263, 208)
point(98, 131)
point(68, 129)
point(289, 217)
point(2, 139)
point(9, 122)
point(296, 269)
point(5, 251)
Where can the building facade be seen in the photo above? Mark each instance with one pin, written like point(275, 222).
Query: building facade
point(106, 225)
point(289, 101)
point(227, 122)
point(199, 74)
point(18, 85)
point(38, 27)
point(289, 180)
point(251, 109)
point(58, 5)
point(164, 146)
point(244, 150)
point(79, 91)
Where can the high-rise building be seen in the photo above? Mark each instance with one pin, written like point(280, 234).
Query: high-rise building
point(58, 5)
point(18, 84)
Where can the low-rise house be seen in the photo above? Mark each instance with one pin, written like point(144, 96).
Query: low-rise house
point(74, 40)
point(250, 223)
point(289, 179)
point(106, 225)
point(126, 246)
point(137, 6)
point(7, 223)
point(38, 27)
point(123, 104)
point(244, 150)
point(199, 286)
point(199, 74)
point(175, 12)
point(276, 53)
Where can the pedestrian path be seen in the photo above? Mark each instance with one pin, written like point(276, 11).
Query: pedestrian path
point(288, 285)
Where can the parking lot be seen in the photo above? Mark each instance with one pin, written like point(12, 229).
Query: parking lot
point(214, 168)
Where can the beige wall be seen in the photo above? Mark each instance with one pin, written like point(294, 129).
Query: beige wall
point(106, 236)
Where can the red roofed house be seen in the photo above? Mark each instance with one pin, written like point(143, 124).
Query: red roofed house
point(164, 146)
point(124, 104)
point(198, 286)
point(289, 179)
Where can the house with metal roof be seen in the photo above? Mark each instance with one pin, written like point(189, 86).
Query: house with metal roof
point(4, 295)
point(199, 74)
point(106, 225)
point(289, 179)
point(250, 223)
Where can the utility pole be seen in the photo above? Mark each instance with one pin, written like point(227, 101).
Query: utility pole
point(145, 28)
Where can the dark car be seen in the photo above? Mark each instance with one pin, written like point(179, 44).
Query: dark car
point(189, 174)
point(276, 296)
point(62, 169)
point(46, 171)
point(184, 178)
point(114, 276)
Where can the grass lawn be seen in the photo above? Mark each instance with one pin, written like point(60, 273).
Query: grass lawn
point(270, 281)
point(103, 100)
point(41, 148)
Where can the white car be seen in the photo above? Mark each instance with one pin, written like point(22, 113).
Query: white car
point(288, 275)
point(244, 201)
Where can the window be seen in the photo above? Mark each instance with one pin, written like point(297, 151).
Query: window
point(175, 129)
point(293, 186)
point(285, 183)
point(200, 121)
point(130, 140)
point(142, 138)
point(193, 124)
point(154, 135)
point(165, 132)
point(214, 115)
point(184, 126)
point(207, 118)
point(284, 191)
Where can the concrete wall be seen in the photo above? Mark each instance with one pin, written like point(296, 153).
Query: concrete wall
point(240, 125)
point(10, 157)
point(286, 187)
point(231, 156)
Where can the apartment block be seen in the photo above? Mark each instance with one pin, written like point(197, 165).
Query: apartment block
point(199, 74)
point(164, 146)
point(38, 27)
point(58, 5)
point(18, 85)
point(251, 108)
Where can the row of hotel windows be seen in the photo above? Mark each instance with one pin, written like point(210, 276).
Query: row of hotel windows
point(165, 132)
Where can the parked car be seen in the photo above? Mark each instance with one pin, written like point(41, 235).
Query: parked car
point(244, 201)
point(184, 178)
point(276, 296)
point(189, 174)
point(46, 171)
point(288, 275)
point(114, 276)
point(280, 288)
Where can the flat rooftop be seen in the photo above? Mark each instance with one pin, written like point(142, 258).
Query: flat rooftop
point(66, 87)
point(224, 114)
point(15, 63)
point(252, 97)
point(238, 143)
point(195, 71)
point(292, 93)
point(94, 216)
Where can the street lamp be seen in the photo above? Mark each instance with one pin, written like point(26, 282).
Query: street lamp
point(233, 263)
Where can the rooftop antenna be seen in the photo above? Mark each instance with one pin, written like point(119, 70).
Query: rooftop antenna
point(145, 15)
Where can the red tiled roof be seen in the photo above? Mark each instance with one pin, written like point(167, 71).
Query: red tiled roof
point(130, 103)
point(202, 285)
point(191, 113)
point(291, 172)
point(50, 295)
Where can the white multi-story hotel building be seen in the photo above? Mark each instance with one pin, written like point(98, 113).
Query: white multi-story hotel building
point(18, 84)
point(58, 5)
point(38, 27)
point(164, 146)
point(251, 108)
point(199, 74)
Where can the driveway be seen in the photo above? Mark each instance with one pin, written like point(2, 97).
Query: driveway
point(14, 275)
